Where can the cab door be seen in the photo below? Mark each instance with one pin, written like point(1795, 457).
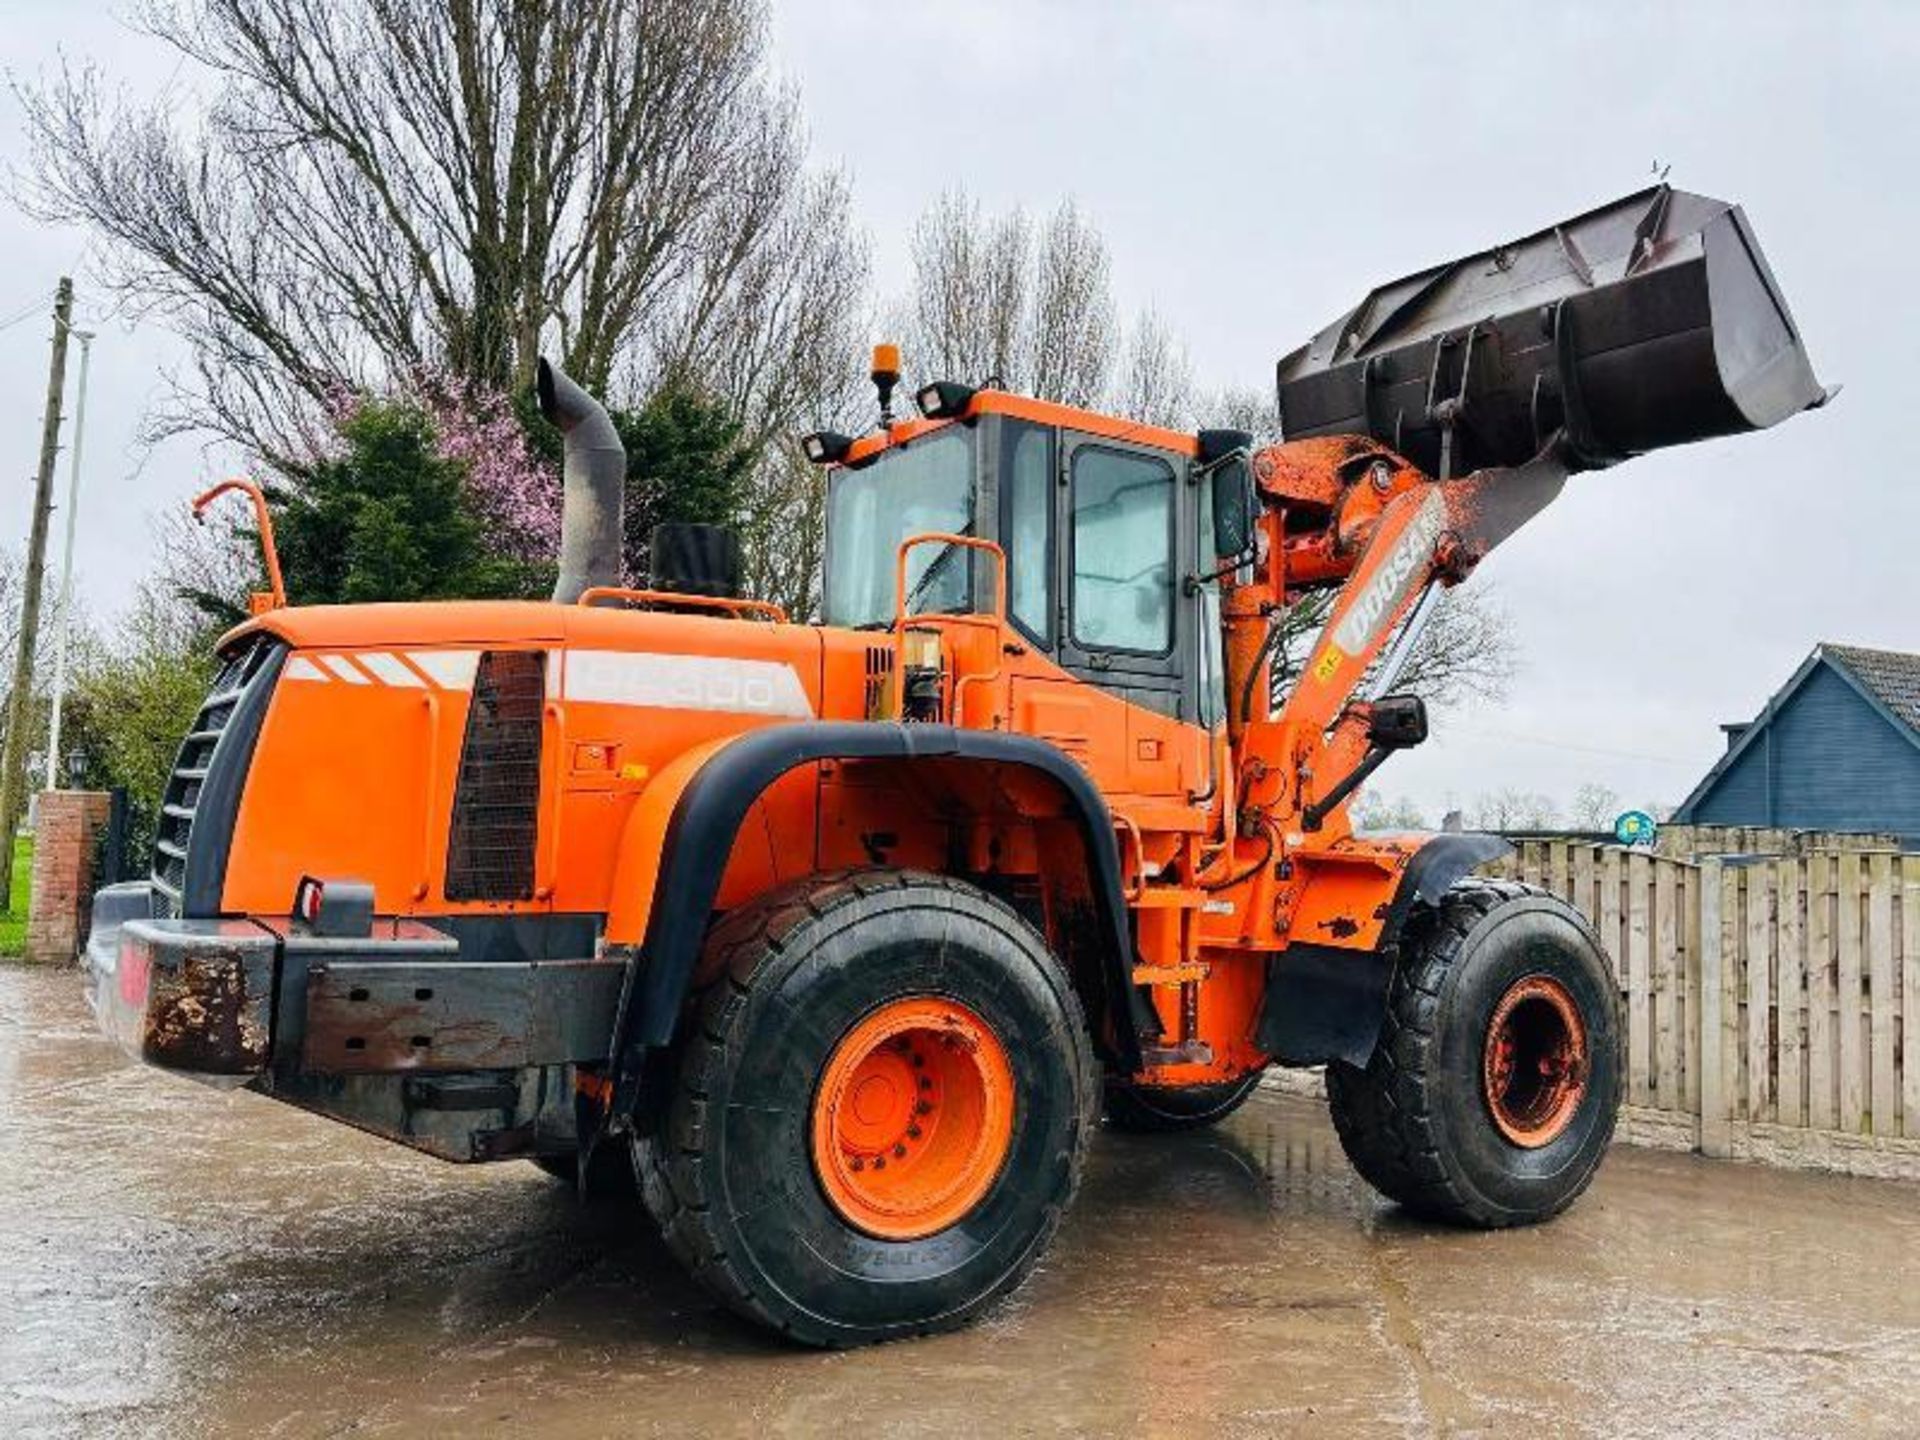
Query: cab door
point(1126, 622)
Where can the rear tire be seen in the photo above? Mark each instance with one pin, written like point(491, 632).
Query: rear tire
point(752, 1174)
point(610, 1174)
point(1492, 1093)
point(1162, 1109)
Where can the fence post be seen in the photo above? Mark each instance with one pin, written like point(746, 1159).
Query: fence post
point(1715, 1135)
point(1883, 1085)
point(1910, 994)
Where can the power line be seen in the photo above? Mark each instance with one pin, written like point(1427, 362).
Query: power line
point(32, 308)
point(1541, 741)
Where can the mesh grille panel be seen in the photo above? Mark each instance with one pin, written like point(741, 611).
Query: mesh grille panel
point(496, 801)
point(181, 799)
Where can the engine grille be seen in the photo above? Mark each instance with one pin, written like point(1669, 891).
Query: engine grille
point(878, 698)
point(496, 800)
point(212, 749)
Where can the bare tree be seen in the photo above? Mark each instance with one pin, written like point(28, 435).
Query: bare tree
point(1514, 810)
point(1595, 807)
point(1466, 652)
point(1243, 408)
point(1156, 377)
point(989, 301)
point(1073, 333)
point(1375, 811)
point(972, 279)
point(373, 187)
point(783, 532)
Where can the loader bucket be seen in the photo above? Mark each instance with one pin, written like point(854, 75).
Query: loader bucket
point(1650, 322)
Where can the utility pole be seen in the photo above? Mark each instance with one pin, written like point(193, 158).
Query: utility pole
point(63, 616)
point(13, 758)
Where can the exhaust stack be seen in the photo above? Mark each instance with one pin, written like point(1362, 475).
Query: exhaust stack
point(594, 476)
point(1650, 322)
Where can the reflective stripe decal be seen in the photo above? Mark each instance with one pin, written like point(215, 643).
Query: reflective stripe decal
point(608, 677)
point(390, 669)
point(429, 670)
point(685, 682)
point(447, 669)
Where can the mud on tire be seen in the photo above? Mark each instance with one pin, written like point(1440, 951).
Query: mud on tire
point(730, 1173)
point(1421, 1123)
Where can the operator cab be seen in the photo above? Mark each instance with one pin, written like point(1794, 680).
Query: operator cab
point(1103, 523)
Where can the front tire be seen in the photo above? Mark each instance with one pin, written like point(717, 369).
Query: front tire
point(1491, 1095)
point(881, 1110)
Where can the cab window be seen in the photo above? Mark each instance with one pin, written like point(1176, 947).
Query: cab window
point(1026, 469)
point(923, 486)
point(1123, 539)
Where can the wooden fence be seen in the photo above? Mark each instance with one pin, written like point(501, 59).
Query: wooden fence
point(1690, 842)
point(1772, 1002)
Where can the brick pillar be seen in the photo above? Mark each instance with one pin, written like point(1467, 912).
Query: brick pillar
point(65, 827)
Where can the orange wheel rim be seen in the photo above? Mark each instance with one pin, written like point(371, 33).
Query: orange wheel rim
point(1535, 1066)
point(913, 1118)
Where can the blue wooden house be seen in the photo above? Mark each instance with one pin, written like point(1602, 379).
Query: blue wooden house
point(1837, 748)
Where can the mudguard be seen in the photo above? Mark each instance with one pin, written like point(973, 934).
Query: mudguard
point(685, 836)
point(1434, 867)
point(1326, 1003)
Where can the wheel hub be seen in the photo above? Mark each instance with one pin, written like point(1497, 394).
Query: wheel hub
point(913, 1118)
point(1535, 1064)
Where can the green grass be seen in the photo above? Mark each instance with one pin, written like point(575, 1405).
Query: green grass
point(13, 921)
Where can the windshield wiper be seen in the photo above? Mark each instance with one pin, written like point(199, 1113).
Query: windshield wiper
point(927, 576)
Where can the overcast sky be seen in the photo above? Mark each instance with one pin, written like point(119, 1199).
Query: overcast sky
point(1256, 169)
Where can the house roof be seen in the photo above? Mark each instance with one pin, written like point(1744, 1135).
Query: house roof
point(1888, 680)
point(1893, 677)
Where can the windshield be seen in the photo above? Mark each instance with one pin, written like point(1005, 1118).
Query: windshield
point(925, 485)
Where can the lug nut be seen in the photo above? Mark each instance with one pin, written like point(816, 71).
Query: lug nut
point(899, 1152)
point(879, 1162)
point(923, 1108)
point(856, 1163)
point(913, 1132)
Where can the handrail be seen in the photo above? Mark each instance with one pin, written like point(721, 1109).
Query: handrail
point(995, 618)
point(765, 608)
point(965, 542)
point(277, 589)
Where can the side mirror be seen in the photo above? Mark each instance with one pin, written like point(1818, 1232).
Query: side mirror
point(1398, 722)
point(1233, 505)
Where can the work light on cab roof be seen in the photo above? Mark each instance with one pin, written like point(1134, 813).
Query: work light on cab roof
point(944, 399)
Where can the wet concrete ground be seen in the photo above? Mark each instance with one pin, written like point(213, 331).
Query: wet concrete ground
point(175, 1260)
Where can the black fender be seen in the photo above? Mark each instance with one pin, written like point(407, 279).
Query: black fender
point(1434, 867)
point(1326, 1003)
point(708, 814)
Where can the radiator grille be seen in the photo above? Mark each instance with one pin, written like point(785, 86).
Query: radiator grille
point(879, 682)
point(496, 800)
point(199, 754)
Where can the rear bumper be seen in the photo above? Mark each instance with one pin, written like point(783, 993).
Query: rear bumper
point(242, 999)
point(191, 996)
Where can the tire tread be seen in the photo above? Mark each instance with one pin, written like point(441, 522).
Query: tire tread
point(1383, 1114)
point(671, 1165)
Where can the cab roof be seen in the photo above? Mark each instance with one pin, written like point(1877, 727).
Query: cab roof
point(1025, 407)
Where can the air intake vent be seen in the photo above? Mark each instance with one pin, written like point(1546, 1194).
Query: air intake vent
point(879, 683)
point(198, 805)
point(496, 801)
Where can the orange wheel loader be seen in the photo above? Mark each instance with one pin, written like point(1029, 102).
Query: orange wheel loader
point(836, 940)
